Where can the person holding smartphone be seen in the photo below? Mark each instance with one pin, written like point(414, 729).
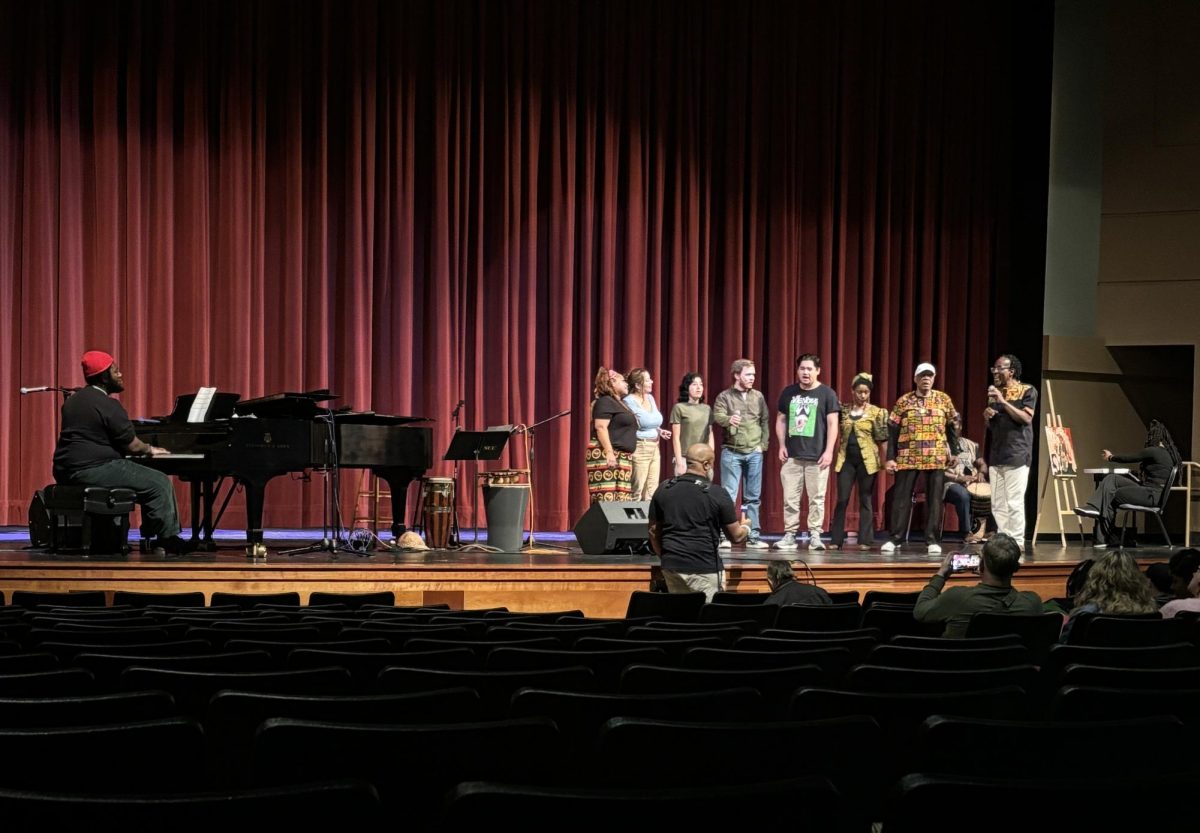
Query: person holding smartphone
point(993, 594)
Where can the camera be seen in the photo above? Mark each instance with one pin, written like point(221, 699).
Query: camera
point(963, 561)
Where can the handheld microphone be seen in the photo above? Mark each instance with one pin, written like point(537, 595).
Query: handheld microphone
point(40, 389)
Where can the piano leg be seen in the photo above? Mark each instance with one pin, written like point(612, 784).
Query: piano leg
point(196, 493)
point(398, 481)
point(202, 491)
point(255, 490)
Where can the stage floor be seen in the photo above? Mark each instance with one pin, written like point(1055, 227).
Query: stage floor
point(554, 575)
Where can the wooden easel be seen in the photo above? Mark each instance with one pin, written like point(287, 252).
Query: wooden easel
point(1064, 484)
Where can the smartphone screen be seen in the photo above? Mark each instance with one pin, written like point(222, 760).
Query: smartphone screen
point(962, 561)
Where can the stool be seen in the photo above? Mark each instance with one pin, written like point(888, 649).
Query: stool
point(91, 519)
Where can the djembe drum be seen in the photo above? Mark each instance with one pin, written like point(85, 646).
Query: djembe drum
point(981, 504)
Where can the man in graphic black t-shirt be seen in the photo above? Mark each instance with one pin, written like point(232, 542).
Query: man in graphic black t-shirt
point(687, 515)
point(95, 438)
point(807, 428)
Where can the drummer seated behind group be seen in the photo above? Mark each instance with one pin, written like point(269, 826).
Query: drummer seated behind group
point(95, 439)
point(965, 469)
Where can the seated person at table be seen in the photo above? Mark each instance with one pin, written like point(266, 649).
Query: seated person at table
point(1156, 458)
point(787, 590)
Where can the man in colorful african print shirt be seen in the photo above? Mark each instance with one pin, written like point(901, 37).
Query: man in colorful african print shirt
point(921, 439)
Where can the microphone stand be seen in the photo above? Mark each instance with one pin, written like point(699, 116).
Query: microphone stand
point(455, 531)
point(529, 437)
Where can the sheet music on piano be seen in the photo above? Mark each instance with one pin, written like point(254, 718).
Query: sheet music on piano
point(201, 404)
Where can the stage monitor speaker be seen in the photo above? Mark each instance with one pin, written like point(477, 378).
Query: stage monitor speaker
point(614, 527)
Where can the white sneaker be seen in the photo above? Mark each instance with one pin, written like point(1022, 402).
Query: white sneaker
point(934, 549)
point(757, 544)
point(725, 543)
point(787, 542)
point(888, 547)
point(815, 543)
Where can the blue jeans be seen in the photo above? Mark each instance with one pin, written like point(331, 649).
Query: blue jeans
point(958, 497)
point(160, 517)
point(746, 469)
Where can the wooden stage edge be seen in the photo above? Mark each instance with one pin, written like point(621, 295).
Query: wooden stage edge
point(600, 586)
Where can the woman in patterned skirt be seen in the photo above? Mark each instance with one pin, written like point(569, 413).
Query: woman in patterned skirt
point(613, 440)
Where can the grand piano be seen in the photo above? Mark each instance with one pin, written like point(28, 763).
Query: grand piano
point(248, 442)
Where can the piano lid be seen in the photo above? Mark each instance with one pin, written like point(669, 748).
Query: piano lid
point(287, 405)
point(372, 418)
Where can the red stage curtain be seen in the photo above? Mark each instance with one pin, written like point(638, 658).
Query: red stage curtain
point(416, 202)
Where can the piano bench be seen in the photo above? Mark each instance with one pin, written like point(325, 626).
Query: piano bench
point(91, 519)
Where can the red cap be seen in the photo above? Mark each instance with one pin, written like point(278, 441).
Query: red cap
point(95, 361)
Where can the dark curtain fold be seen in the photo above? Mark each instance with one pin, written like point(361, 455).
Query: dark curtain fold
point(416, 202)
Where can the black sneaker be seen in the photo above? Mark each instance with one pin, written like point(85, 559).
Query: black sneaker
point(172, 545)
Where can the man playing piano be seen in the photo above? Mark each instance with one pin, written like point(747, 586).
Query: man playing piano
point(92, 446)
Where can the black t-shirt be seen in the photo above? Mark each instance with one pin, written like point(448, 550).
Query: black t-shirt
point(796, 593)
point(1011, 442)
point(1156, 464)
point(622, 426)
point(691, 511)
point(95, 430)
point(805, 413)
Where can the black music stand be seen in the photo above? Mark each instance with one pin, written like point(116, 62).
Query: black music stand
point(476, 445)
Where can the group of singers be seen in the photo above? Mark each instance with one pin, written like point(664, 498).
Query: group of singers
point(920, 435)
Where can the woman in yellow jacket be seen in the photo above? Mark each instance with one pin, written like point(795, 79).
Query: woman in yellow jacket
point(863, 427)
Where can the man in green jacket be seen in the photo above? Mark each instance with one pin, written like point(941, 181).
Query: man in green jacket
point(743, 414)
point(993, 594)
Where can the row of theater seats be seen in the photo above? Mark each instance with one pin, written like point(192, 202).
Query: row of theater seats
point(423, 704)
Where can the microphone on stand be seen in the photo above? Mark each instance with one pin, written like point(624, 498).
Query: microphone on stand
point(454, 413)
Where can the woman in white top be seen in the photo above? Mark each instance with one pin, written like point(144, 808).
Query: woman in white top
point(691, 420)
point(647, 462)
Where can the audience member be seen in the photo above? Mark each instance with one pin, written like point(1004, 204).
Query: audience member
point(1159, 575)
point(993, 594)
point(786, 589)
point(1185, 583)
point(1114, 586)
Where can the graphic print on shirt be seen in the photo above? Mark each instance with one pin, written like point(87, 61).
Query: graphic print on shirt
point(801, 419)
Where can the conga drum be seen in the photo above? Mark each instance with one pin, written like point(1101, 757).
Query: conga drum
point(981, 501)
point(437, 508)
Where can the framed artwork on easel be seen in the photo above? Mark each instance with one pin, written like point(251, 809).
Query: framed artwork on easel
point(1062, 451)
